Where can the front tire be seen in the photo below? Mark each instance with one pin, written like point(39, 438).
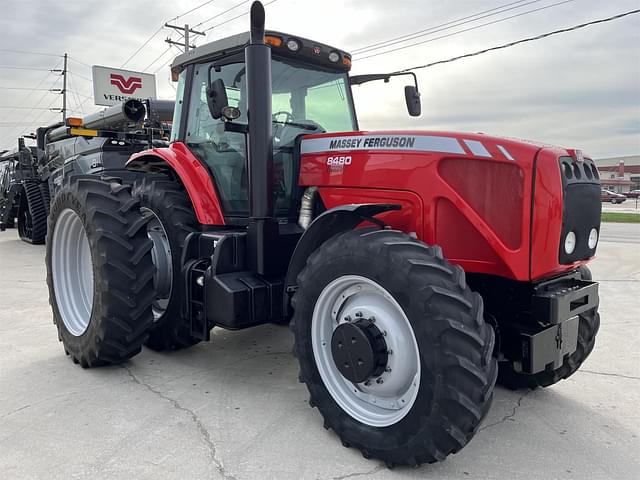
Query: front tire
point(432, 388)
point(99, 271)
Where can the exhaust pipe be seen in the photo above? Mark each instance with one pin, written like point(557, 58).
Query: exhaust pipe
point(263, 227)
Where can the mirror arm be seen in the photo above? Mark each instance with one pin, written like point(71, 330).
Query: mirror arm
point(360, 79)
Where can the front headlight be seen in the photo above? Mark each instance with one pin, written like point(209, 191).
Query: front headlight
point(570, 243)
point(593, 238)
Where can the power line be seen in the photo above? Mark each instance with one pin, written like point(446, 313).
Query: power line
point(143, 45)
point(443, 26)
point(15, 67)
point(146, 42)
point(157, 58)
point(222, 13)
point(44, 79)
point(192, 10)
point(20, 107)
point(24, 88)
point(74, 59)
point(28, 52)
point(234, 18)
point(81, 76)
point(524, 40)
point(475, 27)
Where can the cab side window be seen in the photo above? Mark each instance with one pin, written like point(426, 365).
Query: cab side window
point(223, 152)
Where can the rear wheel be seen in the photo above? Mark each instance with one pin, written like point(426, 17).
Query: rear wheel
point(171, 219)
point(589, 323)
point(99, 271)
point(393, 347)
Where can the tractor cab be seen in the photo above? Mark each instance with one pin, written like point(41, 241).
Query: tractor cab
point(310, 93)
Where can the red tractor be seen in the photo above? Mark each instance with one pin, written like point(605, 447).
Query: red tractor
point(416, 268)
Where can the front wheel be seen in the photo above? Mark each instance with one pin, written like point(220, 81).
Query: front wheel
point(393, 347)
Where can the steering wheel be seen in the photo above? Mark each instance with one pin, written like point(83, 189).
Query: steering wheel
point(288, 116)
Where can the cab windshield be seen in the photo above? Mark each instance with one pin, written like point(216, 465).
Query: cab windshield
point(305, 100)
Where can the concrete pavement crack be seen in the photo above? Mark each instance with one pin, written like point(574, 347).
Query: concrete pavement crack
point(630, 377)
point(204, 433)
point(360, 474)
point(509, 415)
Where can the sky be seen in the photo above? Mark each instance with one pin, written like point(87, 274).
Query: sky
point(578, 90)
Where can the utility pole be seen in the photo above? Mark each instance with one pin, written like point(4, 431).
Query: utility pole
point(184, 31)
point(62, 91)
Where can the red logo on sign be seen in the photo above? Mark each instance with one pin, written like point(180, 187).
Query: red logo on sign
point(126, 85)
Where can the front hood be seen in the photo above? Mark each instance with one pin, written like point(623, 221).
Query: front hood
point(455, 143)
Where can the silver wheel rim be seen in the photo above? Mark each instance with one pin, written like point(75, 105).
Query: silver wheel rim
point(72, 272)
point(162, 260)
point(372, 403)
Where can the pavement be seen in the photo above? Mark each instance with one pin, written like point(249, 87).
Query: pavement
point(233, 409)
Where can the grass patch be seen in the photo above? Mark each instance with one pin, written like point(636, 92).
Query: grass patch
point(620, 217)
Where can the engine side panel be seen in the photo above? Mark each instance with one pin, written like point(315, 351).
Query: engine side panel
point(474, 191)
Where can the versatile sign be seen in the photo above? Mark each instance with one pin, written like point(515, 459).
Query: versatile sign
point(113, 85)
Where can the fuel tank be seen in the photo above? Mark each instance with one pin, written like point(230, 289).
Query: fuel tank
point(495, 205)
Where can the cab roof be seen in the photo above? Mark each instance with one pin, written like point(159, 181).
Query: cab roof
point(309, 51)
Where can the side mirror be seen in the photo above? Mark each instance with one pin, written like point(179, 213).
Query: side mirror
point(412, 97)
point(216, 97)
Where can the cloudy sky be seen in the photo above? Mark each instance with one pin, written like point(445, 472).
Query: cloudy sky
point(579, 89)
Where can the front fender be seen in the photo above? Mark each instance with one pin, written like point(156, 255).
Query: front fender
point(330, 223)
point(195, 177)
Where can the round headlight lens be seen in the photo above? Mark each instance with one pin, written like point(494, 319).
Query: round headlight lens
point(334, 57)
point(570, 243)
point(593, 238)
point(293, 45)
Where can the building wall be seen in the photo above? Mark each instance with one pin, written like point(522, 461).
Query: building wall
point(620, 174)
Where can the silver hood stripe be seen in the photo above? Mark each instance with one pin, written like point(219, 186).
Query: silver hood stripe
point(412, 143)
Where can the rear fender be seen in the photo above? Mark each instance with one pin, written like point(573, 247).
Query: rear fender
point(178, 160)
point(330, 223)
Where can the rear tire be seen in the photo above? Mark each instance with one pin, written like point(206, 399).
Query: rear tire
point(440, 408)
point(588, 326)
point(168, 207)
point(32, 214)
point(99, 271)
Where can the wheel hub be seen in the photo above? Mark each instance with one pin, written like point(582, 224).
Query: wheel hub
point(359, 350)
point(162, 260)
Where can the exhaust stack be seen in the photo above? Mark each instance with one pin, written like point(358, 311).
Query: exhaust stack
point(263, 227)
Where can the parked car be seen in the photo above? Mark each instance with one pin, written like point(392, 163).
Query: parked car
point(633, 194)
point(613, 197)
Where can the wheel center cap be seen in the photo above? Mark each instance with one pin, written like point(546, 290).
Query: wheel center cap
point(359, 350)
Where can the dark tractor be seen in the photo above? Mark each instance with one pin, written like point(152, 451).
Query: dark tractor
point(416, 268)
point(98, 144)
point(24, 200)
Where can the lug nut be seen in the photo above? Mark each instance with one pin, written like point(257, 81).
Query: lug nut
point(347, 318)
point(387, 369)
point(358, 314)
point(379, 380)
